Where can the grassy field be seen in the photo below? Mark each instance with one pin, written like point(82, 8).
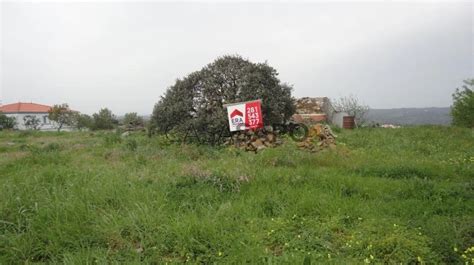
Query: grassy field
point(382, 196)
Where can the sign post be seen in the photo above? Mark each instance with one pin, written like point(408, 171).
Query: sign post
point(245, 115)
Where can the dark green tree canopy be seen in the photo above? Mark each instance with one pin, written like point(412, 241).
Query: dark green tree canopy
point(462, 110)
point(199, 98)
point(83, 121)
point(104, 120)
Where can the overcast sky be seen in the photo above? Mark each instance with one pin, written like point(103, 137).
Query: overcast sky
point(124, 55)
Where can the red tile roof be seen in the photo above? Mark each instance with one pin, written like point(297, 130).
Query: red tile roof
point(24, 108)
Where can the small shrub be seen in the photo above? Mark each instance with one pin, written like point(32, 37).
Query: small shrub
point(112, 138)
point(131, 144)
point(29, 147)
point(51, 147)
point(271, 207)
point(462, 110)
point(6, 122)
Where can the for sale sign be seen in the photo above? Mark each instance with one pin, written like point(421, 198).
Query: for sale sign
point(245, 115)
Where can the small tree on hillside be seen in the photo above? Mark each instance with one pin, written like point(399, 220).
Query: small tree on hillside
point(104, 120)
point(31, 122)
point(462, 110)
point(62, 115)
point(132, 120)
point(353, 107)
point(7, 122)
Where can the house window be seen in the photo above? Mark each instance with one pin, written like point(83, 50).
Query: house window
point(45, 119)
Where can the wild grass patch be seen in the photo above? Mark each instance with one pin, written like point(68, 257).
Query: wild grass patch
point(382, 196)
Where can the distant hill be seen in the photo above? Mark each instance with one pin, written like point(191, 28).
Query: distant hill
point(410, 116)
point(402, 116)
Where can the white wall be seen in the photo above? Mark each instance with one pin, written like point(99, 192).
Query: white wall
point(44, 125)
point(337, 118)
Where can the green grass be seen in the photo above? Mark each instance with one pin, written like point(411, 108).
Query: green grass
point(382, 196)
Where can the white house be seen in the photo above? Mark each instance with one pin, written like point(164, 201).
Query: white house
point(21, 110)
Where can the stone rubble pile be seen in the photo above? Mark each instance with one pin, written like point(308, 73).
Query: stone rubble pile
point(319, 137)
point(255, 140)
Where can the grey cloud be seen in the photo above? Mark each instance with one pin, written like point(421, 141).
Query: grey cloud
point(124, 55)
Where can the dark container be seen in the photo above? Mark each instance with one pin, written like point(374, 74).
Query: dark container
point(348, 122)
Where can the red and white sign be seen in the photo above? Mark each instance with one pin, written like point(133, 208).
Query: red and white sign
point(245, 115)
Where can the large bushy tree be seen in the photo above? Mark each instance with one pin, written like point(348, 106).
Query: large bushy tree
point(462, 110)
point(199, 98)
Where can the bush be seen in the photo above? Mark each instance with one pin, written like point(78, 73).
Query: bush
point(112, 138)
point(6, 122)
point(462, 110)
point(132, 120)
point(131, 144)
point(52, 147)
point(104, 120)
point(83, 121)
point(198, 99)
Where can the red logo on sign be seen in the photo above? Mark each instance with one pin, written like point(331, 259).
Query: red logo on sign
point(236, 112)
